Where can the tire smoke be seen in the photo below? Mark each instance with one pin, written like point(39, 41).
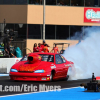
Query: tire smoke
point(85, 55)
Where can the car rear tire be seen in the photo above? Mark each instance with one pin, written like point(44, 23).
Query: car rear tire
point(67, 77)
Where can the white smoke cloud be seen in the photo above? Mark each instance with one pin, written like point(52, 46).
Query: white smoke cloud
point(85, 55)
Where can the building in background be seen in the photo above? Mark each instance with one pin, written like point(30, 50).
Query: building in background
point(63, 19)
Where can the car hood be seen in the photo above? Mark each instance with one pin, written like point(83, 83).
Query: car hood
point(25, 66)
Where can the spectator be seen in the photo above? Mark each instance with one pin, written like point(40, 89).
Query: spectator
point(46, 49)
point(55, 49)
point(35, 48)
point(11, 33)
point(5, 41)
point(39, 48)
point(8, 52)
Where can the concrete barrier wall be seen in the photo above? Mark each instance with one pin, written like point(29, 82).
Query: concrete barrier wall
point(7, 63)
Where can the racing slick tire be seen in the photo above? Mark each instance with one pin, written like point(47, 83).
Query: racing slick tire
point(67, 77)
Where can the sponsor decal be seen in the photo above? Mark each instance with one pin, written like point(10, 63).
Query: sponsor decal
point(17, 61)
point(39, 57)
point(27, 68)
point(68, 65)
point(92, 15)
point(53, 66)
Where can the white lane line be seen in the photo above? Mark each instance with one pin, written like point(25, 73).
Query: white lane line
point(39, 92)
point(4, 74)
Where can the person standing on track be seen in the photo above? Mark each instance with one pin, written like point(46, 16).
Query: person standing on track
point(46, 49)
point(55, 49)
point(35, 48)
point(39, 48)
point(43, 45)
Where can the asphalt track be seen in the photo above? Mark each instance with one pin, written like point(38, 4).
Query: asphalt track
point(4, 81)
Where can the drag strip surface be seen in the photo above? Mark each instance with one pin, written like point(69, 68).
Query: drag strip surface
point(4, 81)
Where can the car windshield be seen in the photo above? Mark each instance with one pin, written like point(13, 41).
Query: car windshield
point(24, 58)
point(45, 57)
point(49, 58)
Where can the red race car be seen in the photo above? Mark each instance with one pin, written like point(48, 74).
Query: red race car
point(40, 67)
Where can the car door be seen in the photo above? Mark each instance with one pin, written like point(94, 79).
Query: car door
point(65, 68)
point(59, 65)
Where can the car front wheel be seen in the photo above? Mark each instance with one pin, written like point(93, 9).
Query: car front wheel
point(51, 76)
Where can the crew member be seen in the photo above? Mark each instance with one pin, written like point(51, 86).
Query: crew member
point(39, 48)
point(55, 49)
point(45, 49)
point(42, 45)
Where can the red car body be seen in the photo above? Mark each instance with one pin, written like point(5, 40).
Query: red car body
point(40, 67)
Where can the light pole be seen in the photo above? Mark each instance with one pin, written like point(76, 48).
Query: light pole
point(44, 21)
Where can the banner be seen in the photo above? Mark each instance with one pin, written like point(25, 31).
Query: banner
point(92, 15)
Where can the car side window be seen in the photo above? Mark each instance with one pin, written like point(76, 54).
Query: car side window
point(58, 59)
point(63, 59)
